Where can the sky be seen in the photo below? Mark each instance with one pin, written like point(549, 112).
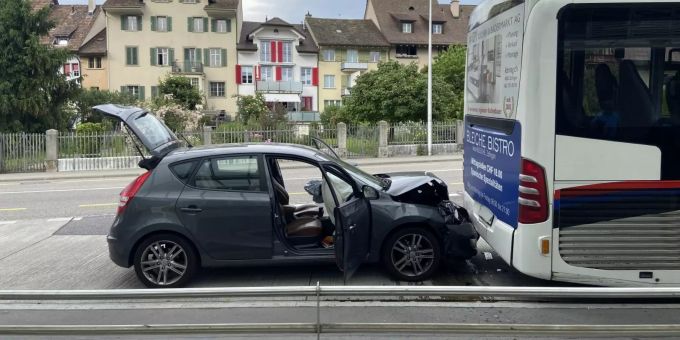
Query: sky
point(293, 11)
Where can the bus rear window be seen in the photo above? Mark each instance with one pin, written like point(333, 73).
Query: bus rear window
point(618, 76)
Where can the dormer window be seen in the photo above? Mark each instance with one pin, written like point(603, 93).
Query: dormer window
point(406, 27)
point(437, 28)
point(61, 41)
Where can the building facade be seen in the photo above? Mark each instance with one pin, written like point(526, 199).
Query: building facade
point(280, 61)
point(347, 49)
point(405, 25)
point(148, 40)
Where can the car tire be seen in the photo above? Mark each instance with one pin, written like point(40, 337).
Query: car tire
point(165, 261)
point(412, 254)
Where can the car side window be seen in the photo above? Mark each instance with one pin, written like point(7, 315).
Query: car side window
point(183, 170)
point(240, 173)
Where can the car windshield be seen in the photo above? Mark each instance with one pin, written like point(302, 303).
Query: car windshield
point(366, 178)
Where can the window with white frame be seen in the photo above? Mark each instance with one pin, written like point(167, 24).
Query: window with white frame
point(328, 103)
point(329, 55)
point(198, 25)
point(162, 24)
point(375, 56)
point(329, 81)
point(215, 57)
point(287, 52)
point(162, 56)
point(246, 74)
point(407, 27)
point(94, 62)
point(437, 28)
point(267, 73)
point(265, 50)
point(221, 26)
point(131, 23)
point(217, 89)
point(134, 90)
point(352, 56)
point(194, 83)
point(287, 74)
point(306, 76)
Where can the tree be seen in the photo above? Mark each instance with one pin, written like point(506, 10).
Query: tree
point(86, 99)
point(183, 93)
point(449, 68)
point(251, 108)
point(334, 114)
point(33, 94)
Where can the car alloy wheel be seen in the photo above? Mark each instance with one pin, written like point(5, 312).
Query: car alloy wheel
point(165, 261)
point(412, 254)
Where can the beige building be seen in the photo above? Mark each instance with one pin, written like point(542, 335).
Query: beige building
point(348, 48)
point(405, 25)
point(150, 39)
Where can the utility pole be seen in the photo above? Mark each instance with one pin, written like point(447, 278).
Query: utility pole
point(429, 86)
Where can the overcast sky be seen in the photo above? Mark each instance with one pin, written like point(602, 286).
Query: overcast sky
point(293, 11)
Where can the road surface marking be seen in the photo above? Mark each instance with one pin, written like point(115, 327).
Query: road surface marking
point(77, 218)
point(12, 209)
point(454, 195)
point(97, 205)
point(59, 219)
point(298, 193)
point(7, 222)
point(56, 190)
point(456, 183)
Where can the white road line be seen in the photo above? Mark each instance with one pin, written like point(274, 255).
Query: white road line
point(77, 218)
point(56, 190)
point(59, 219)
point(454, 195)
point(7, 222)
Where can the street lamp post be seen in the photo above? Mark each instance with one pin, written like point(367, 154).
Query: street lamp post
point(429, 85)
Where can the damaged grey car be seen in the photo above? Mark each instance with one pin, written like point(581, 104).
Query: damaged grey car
point(230, 205)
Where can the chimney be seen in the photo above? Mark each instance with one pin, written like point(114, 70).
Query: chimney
point(455, 8)
point(90, 7)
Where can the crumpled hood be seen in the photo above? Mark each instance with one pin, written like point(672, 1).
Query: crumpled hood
point(403, 182)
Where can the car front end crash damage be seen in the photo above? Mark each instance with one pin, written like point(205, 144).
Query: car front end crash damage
point(426, 190)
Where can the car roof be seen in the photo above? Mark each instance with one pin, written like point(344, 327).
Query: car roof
point(248, 148)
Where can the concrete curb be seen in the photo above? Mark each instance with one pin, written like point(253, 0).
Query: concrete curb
point(136, 172)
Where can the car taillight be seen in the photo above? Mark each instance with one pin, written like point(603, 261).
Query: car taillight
point(533, 197)
point(130, 191)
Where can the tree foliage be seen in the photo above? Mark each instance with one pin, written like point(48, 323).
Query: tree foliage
point(398, 93)
point(33, 94)
point(183, 93)
point(251, 108)
point(334, 114)
point(86, 99)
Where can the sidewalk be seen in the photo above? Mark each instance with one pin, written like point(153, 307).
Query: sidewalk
point(46, 176)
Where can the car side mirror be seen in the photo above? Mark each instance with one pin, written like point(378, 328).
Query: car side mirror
point(370, 192)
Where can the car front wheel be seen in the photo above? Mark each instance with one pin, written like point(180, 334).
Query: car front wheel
point(412, 254)
point(165, 261)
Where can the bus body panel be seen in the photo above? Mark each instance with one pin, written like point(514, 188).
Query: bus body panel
point(497, 234)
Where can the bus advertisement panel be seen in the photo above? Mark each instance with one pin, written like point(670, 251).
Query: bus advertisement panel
point(492, 149)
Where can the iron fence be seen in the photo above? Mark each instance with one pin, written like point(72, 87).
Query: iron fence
point(363, 141)
point(95, 145)
point(22, 152)
point(416, 133)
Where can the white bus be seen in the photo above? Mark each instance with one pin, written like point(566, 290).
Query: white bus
point(572, 138)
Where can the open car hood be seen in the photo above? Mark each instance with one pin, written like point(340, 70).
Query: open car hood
point(417, 187)
point(156, 137)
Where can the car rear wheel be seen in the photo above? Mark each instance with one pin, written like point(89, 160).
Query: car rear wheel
point(165, 261)
point(412, 254)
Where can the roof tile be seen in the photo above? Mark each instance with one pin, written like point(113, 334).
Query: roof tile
point(342, 32)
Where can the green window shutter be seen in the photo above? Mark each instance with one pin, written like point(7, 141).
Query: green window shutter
point(154, 92)
point(123, 89)
point(153, 23)
point(153, 56)
point(128, 58)
point(198, 56)
point(228, 25)
point(135, 59)
point(213, 25)
point(123, 22)
point(186, 54)
point(139, 22)
point(190, 27)
point(171, 56)
point(205, 24)
point(141, 93)
point(224, 57)
point(169, 20)
point(206, 57)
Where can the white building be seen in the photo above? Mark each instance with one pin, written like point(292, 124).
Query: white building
point(279, 60)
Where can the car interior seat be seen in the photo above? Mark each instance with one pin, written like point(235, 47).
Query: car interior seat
point(637, 109)
point(290, 211)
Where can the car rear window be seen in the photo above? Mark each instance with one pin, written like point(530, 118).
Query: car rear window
point(240, 173)
point(183, 170)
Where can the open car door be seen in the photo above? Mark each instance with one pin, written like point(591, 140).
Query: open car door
point(156, 137)
point(324, 147)
point(352, 220)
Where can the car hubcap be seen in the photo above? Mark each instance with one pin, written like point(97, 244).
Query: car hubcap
point(164, 262)
point(412, 255)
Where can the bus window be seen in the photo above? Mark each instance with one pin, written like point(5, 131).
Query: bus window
point(619, 76)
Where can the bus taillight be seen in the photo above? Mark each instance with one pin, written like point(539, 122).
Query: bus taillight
point(533, 198)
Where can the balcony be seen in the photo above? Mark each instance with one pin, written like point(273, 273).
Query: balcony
point(271, 86)
point(346, 91)
point(347, 66)
point(187, 67)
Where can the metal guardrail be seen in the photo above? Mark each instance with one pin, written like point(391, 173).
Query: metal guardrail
point(344, 291)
